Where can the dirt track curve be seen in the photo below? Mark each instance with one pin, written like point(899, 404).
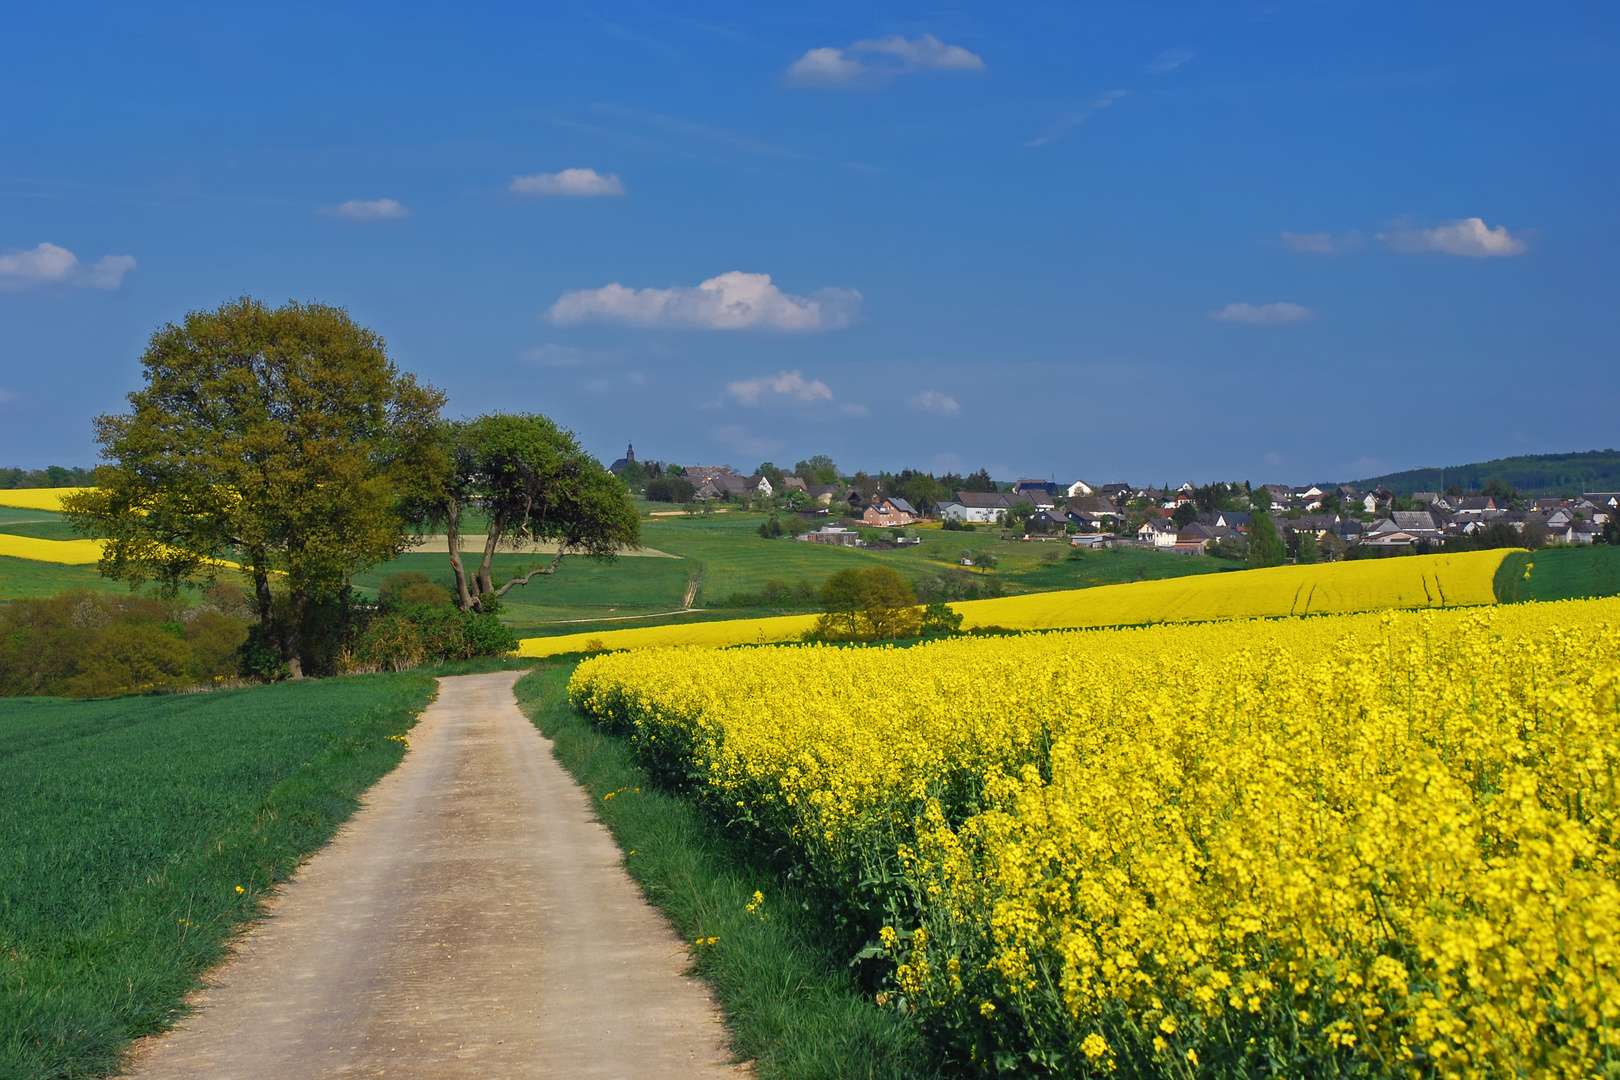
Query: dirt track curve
point(471, 920)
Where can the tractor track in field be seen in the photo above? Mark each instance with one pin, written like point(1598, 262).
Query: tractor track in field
point(471, 920)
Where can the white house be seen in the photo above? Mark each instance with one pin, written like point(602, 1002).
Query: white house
point(977, 507)
point(1079, 488)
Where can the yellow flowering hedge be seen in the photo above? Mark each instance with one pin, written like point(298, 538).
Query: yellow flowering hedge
point(1378, 844)
point(1417, 581)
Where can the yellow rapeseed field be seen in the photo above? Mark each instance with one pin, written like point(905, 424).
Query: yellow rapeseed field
point(36, 498)
point(1448, 580)
point(70, 552)
point(1372, 844)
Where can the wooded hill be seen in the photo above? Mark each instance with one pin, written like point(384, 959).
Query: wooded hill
point(1532, 474)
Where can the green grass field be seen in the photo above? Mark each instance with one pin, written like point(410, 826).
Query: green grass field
point(127, 827)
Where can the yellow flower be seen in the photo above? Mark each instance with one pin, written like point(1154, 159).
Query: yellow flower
point(1094, 1046)
point(240, 890)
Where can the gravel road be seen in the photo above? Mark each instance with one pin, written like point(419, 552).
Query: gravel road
point(471, 920)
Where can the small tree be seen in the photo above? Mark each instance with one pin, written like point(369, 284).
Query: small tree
point(867, 605)
point(533, 483)
point(1265, 546)
point(1185, 514)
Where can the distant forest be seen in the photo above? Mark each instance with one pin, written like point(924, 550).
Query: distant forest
point(54, 476)
point(1533, 474)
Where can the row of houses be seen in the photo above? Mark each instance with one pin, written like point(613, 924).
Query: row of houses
point(1573, 521)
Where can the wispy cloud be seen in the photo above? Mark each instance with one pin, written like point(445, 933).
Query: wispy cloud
point(743, 441)
point(369, 209)
point(6, 396)
point(1263, 314)
point(1169, 60)
point(552, 355)
point(1465, 236)
point(1074, 119)
point(829, 67)
point(732, 301)
point(577, 183)
point(1321, 243)
point(791, 385)
point(854, 408)
point(50, 264)
point(936, 402)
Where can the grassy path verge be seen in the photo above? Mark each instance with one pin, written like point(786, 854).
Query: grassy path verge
point(137, 834)
point(791, 1005)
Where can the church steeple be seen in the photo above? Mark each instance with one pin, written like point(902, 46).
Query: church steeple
point(630, 454)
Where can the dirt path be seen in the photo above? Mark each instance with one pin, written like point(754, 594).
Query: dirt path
point(472, 920)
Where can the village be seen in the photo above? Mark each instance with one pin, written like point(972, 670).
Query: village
point(1340, 521)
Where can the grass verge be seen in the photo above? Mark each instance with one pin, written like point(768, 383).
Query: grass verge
point(791, 1005)
point(138, 834)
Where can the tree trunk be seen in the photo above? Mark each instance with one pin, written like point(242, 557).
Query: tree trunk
point(292, 635)
point(452, 536)
point(486, 580)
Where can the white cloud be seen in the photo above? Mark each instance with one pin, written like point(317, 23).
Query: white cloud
point(788, 384)
point(578, 183)
point(732, 301)
point(1263, 314)
point(854, 408)
point(1466, 236)
point(1169, 60)
point(1321, 243)
point(934, 401)
point(108, 271)
point(925, 52)
point(740, 440)
point(48, 264)
point(1078, 117)
point(824, 67)
point(830, 67)
point(369, 210)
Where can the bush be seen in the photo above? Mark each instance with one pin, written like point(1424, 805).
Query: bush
point(96, 645)
point(771, 529)
point(408, 588)
point(401, 639)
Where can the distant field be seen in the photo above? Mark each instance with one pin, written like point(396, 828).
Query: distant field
point(44, 524)
point(128, 827)
point(24, 577)
point(1560, 574)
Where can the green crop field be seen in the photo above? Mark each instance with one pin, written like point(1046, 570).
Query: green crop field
point(24, 577)
point(1560, 574)
point(127, 827)
point(45, 524)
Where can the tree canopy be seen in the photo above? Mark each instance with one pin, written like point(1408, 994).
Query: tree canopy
point(280, 439)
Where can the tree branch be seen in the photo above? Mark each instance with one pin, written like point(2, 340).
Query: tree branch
point(532, 574)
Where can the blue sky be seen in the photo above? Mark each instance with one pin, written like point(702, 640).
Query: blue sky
point(1274, 241)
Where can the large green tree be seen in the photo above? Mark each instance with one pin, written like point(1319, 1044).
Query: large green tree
point(282, 440)
point(532, 482)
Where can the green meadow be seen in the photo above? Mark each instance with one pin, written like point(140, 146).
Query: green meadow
point(137, 834)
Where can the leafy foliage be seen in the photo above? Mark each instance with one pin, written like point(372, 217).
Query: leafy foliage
point(83, 644)
point(280, 439)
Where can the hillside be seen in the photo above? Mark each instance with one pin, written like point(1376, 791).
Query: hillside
point(1533, 474)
